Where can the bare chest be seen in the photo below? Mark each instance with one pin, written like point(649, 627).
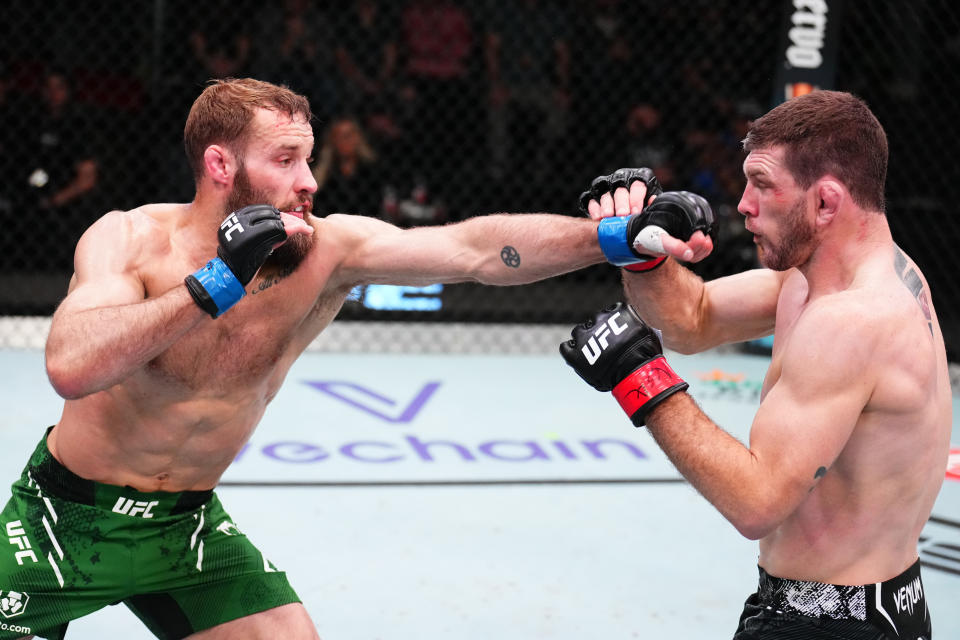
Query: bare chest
point(252, 344)
point(235, 352)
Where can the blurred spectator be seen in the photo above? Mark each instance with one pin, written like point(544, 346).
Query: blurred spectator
point(610, 44)
point(414, 204)
point(714, 171)
point(58, 168)
point(348, 174)
point(716, 153)
point(528, 73)
point(219, 39)
point(293, 46)
point(350, 179)
point(66, 165)
point(10, 116)
point(366, 53)
point(437, 39)
point(649, 143)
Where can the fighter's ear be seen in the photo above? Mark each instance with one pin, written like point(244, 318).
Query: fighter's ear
point(219, 163)
point(830, 194)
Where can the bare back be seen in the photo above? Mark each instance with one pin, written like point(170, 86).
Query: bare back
point(861, 520)
point(177, 422)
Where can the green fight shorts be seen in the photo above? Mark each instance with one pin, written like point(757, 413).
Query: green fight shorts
point(175, 559)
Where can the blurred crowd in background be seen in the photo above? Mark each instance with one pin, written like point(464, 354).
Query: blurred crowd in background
point(430, 111)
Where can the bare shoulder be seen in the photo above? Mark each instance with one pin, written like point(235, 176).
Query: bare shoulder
point(897, 296)
point(119, 240)
point(913, 344)
point(831, 352)
point(145, 224)
point(908, 274)
point(848, 323)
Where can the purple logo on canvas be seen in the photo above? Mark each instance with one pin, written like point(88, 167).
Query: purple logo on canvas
point(375, 403)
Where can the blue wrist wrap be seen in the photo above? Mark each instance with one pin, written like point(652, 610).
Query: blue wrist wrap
point(612, 236)
point(218, 280)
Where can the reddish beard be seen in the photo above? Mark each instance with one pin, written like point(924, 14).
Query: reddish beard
point(288, 256)
point(796, 241)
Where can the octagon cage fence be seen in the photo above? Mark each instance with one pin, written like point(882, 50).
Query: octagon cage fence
point(432, 111)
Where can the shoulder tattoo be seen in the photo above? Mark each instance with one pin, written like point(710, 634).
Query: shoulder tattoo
point(911, 279)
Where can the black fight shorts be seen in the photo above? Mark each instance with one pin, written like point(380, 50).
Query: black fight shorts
point(796, 610)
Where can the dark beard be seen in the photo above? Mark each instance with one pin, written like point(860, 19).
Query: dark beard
point(285, 259)
point(796, 243)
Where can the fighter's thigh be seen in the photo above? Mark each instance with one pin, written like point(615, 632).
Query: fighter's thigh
point(47, 576)
point(287, 621)
point(217, 576)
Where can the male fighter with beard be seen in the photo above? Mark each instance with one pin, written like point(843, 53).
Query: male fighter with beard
point(848, 449)
point(170, 344)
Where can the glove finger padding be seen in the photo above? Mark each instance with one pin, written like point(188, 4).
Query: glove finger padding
point(619, 178)
point(617, 351)
point(679, 213)
point(247, 238)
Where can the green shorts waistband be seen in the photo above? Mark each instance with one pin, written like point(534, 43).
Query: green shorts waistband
point(56, 480)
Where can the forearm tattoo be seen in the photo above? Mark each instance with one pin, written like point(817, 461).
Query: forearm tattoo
point(911, 279)
point(510, 257)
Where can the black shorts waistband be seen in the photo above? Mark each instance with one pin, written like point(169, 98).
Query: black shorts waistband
point(897, 605)
point(56, 480)
point(816, 599)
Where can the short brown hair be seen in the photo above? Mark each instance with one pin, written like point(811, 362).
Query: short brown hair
point(223, 112)
point(828, 132)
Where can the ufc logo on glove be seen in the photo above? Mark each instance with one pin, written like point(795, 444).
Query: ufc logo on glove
point(598, 341)
point(623, 355)
point(230, 225)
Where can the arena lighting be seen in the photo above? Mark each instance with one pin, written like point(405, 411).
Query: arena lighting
point(388, 297)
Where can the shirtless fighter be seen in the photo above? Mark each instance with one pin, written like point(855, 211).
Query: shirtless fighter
point(180, 324)
point(848, 448)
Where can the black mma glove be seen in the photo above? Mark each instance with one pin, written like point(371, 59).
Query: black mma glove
point(246, 238)
point(678, 213)
point(616, 351)
point(619, 178)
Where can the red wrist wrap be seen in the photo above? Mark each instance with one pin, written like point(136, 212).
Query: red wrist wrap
point(648, 265)
point(647, 382)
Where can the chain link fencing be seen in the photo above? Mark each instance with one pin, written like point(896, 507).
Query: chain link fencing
point(446, 110)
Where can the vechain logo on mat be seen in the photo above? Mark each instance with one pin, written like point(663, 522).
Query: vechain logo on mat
point(419, 449)
point(447, 428)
